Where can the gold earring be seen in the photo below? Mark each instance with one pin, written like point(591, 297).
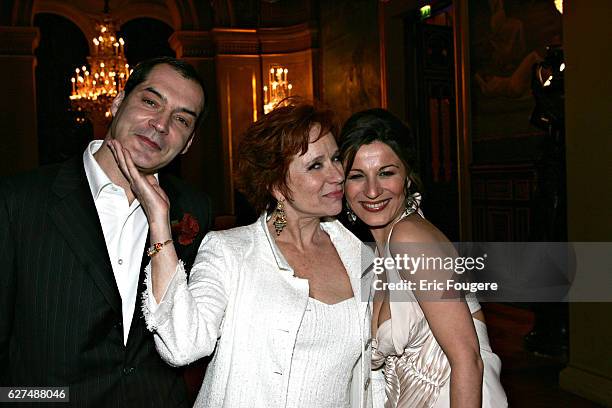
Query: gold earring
point(280, 218)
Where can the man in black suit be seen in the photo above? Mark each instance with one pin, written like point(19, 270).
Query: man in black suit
point(72, 253)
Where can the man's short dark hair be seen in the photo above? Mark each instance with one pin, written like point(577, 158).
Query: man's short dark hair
point(142, 69)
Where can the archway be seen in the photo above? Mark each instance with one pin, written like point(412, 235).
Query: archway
point(62, 48)
point(146, 38)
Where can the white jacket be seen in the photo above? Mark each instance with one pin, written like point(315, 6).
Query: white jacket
point(242, 291)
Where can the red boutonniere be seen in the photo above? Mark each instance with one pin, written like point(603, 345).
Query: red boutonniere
point(186, 229)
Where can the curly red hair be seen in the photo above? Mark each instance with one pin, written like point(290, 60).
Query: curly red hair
point(270, 145)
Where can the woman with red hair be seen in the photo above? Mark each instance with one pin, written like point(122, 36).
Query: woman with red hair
point(281, 299)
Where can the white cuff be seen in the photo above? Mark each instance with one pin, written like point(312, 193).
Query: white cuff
point(156, 314)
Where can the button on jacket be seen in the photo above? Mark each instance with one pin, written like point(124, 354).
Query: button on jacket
point(243, 292)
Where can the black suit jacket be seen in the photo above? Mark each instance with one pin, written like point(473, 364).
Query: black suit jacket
point(60, 309)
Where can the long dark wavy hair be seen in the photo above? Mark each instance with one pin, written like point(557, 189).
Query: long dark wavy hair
point(378, 124)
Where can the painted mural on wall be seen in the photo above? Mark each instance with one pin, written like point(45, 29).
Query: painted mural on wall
point(350, 60)
point(506, 39)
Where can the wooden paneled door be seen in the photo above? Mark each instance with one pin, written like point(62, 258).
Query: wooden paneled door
point(432, 112)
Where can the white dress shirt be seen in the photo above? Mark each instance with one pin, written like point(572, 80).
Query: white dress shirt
point(125, 229)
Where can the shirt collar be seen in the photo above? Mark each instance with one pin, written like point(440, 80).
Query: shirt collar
point(95, 175)
point(97, 178)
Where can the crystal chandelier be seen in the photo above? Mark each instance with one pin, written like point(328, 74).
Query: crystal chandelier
point(94, 88)
point(278, 88)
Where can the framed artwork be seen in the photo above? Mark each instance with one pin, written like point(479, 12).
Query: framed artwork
point(506, 39)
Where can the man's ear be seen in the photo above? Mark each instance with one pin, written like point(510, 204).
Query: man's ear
point(117, 102)
point(188, 143)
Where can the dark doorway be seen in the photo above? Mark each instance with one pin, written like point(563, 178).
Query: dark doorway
point(62, 47)
point(431, 109)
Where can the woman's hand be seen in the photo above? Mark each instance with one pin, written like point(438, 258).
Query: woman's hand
point(156, 205)
point(145, 187)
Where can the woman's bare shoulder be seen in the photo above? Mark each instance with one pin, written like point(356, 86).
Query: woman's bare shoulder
point(416, 229)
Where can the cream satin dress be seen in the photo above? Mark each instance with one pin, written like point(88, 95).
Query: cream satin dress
point(416, 370)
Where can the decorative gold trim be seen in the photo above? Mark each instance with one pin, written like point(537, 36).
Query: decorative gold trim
point(287, 39)
point(264, 40)
point(192, 44)
point(254, 90)
point(234, 30)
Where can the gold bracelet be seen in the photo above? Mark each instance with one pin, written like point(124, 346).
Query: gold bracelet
point(155, 248)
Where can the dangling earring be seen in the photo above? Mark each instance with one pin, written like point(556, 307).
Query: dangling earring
point(280, 218)
point(411, 205)
point(350, 215)
point(412, 201)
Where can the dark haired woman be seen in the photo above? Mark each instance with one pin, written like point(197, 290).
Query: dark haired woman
point(280, 299)
point(432, 353)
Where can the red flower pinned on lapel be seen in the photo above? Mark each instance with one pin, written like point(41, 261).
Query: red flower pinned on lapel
point(186, 229)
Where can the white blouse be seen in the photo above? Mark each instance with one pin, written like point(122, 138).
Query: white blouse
point(326, 349)
point(243, 299)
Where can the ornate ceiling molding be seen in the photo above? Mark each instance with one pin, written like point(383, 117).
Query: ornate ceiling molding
point(287, 39)
point(85, 21)
point(264, 40)
point(235, 41)
point(144, 10)
point(192, 44)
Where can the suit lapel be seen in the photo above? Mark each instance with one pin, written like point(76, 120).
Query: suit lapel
point(74, 213)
